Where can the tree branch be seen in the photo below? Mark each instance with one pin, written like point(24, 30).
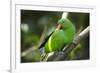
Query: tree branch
point(59, 56)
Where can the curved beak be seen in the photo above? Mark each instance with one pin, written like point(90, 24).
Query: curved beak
point(59, 26)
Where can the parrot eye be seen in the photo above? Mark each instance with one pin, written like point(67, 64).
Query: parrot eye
point(62, 21)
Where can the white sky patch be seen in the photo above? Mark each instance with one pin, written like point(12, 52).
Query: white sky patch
point(64, 15)
point(25, 27)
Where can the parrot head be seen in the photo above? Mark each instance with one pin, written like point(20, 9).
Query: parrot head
point(63, 23)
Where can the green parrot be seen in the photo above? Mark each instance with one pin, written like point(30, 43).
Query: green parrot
point(61, 36)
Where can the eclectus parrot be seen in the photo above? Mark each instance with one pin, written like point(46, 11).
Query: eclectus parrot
point(62, 36)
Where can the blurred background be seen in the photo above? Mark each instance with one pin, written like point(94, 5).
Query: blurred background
point(35, 25)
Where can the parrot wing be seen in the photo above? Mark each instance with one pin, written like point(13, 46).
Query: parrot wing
point(45, 40)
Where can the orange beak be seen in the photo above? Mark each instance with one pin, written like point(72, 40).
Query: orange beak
point(59, 26)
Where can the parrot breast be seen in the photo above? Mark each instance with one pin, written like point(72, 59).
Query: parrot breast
point(56, 41)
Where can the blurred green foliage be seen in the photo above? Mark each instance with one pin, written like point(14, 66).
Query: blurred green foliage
point(34, 22)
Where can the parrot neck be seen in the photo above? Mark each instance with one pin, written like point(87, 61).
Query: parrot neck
point(66, 30)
